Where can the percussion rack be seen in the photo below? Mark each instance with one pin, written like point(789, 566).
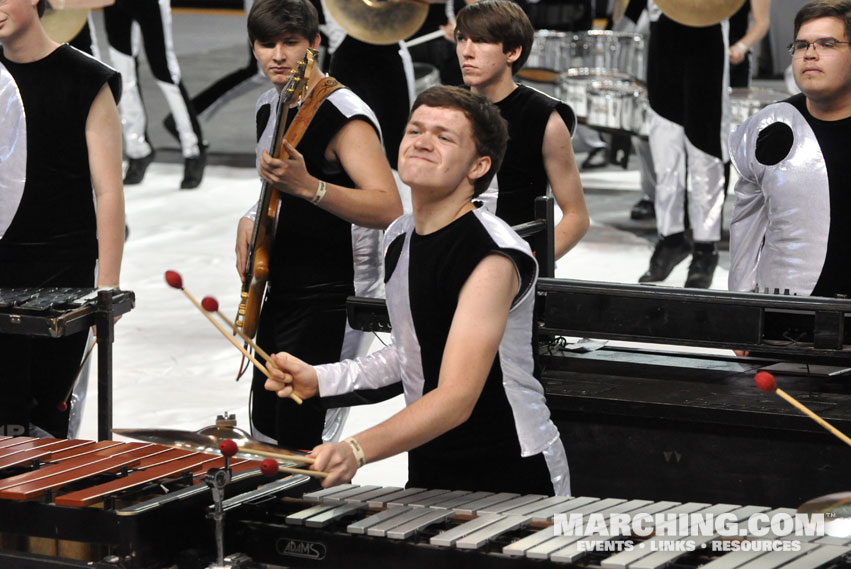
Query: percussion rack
point(57, 312)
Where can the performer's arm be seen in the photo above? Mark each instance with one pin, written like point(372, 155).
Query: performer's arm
point(563, 177)
point(378, 369)
point(373, 202)
point(103, 137)
point(471, 347)
point(747, 230)
point(761, 11)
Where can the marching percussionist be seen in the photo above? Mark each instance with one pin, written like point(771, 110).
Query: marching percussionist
point(789, 233)
point(151, 20)
point(460, 293)
point(493, 41)
point(61, 201)
point(687, 87)
point(336, 192)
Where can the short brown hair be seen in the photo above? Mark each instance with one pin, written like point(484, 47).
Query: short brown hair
point(41, 7)
point(490, 131)
point(839, 9)
point(271, 19)
point(498, 21)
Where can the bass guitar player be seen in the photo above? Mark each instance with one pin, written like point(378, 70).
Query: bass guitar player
point(336, 193)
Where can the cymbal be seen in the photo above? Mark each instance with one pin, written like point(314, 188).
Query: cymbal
point(379, 22)
point(838, 506)
point(208, 439)
point(63, 25)
point(699, 13)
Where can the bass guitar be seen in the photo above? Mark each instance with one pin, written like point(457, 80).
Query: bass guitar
point(263, 235)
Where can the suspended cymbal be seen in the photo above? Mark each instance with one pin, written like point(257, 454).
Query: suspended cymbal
point(208, 439)
point(699, 13)
point(379, 22)
point(837, 510)
point(63, 25)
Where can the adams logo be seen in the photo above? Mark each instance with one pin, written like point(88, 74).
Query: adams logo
point(299, 548)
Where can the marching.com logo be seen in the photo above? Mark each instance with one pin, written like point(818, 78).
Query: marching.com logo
point(689, 525)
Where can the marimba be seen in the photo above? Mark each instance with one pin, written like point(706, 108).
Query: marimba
point(368, 526)
point(139, 503)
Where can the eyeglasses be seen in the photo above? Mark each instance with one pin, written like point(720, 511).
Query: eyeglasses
point(822, 46)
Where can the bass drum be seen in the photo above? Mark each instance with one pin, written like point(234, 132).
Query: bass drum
point(746, 101)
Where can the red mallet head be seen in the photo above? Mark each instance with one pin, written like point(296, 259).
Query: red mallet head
point(62, 406)
point(173, 279)
point(228, 448)
point(269, 466)
point(765, 381)
point(210, 304)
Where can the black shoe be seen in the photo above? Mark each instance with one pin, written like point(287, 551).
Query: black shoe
point(643, 209)
point(669, 253)
point(193, 170)
point(170, 127)
point(136, 169)
point(597, 158)
point(702, 267)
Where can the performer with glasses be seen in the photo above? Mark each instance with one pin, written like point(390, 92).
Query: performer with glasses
point(789, 232)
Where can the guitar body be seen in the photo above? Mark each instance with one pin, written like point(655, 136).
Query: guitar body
point(255, 289)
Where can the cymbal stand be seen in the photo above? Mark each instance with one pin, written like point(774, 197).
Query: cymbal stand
point(217, 479)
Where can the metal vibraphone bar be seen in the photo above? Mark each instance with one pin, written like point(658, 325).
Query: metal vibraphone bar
point(57, 312)
point(369, 526)
point(136, 504)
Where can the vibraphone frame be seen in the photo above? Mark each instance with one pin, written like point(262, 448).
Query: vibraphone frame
point(110, 303)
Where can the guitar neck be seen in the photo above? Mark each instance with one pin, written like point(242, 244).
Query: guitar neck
point(262, 214)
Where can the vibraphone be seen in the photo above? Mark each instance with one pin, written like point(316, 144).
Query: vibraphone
point(694, 424)
point(57, 312)
point(368, 526)
point(138, 505)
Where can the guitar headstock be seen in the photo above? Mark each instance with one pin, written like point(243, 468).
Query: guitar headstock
point(296, 87)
